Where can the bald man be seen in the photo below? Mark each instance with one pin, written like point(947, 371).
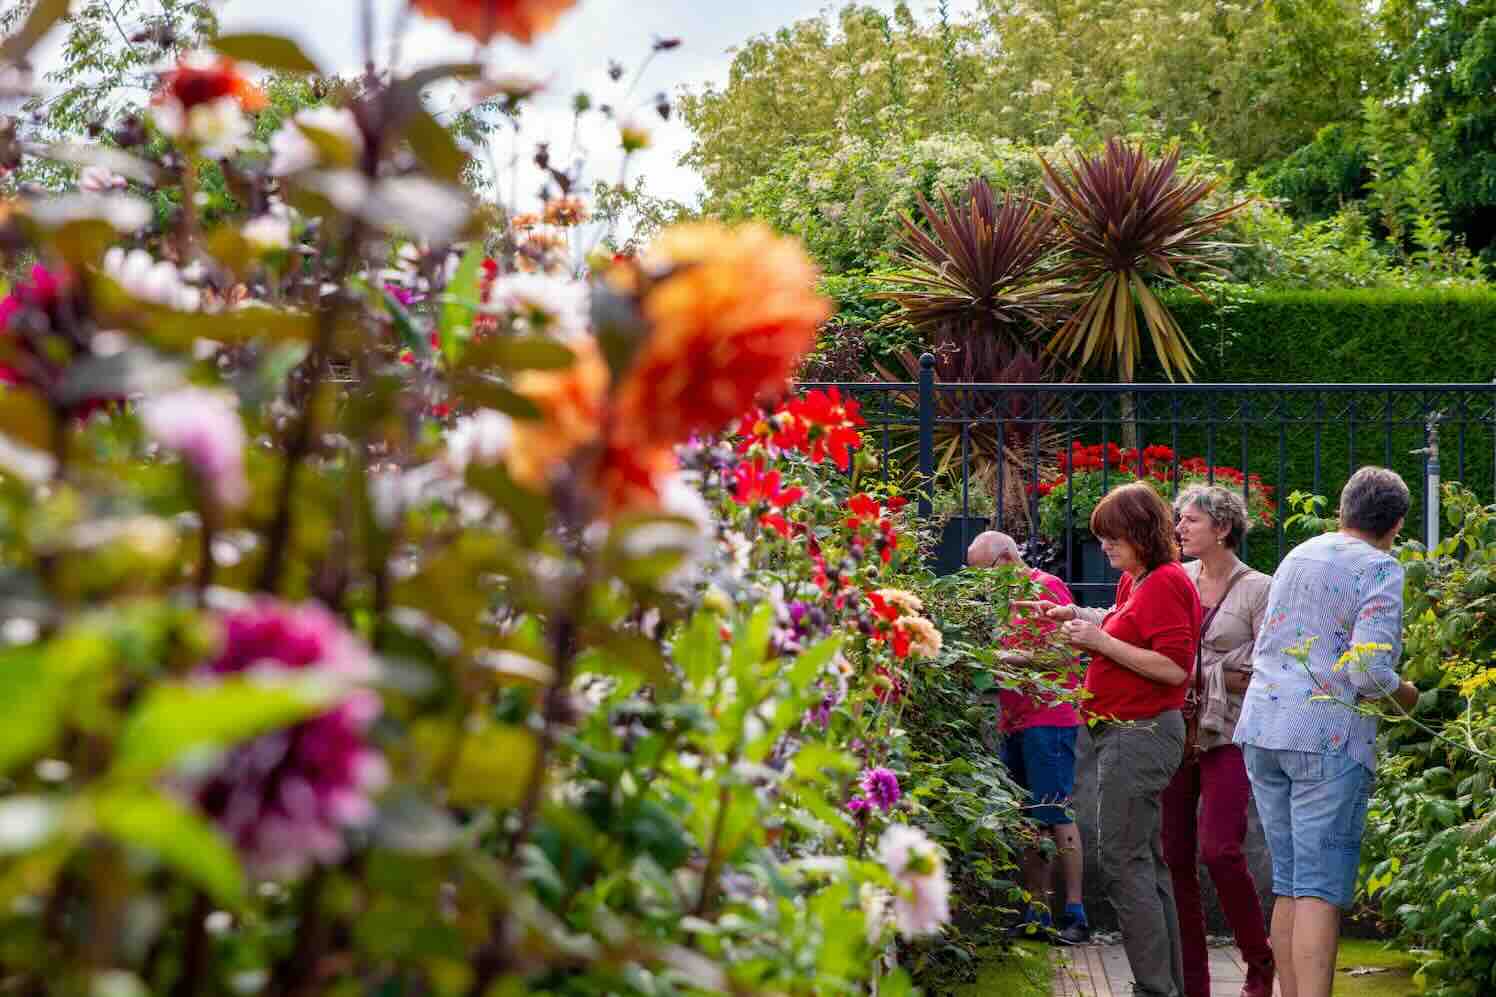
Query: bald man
point(1039, 750)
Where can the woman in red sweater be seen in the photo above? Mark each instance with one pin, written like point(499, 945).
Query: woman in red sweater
point(1142, 654)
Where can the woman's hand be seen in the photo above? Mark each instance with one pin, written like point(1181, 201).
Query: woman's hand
point(1084, 635)
point(1045, 608)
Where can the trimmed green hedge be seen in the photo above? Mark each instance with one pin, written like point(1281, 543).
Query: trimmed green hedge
point(1369, 335)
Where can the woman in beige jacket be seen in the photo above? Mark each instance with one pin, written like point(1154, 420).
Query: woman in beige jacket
point(1205, 806)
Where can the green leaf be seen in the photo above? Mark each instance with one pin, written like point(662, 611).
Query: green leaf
point(751, 642)
point(633, 652)
point(525, 508)
point(25, 417)
point(405, 329)
point(463, 287)
point(269, 51)
point(698, 648)
point(812, 660)
point(333, 150)
point(175, 719)
point(485, 392)
point(152, 821)
point(36, 721)
point(493, 766)
point(37, 680)
point(511, 353)
point(435, 147)
point(45, 14)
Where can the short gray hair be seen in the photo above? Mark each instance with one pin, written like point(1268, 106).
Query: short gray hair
point(988, 547)
point(1224, 507)
point(1375, 500)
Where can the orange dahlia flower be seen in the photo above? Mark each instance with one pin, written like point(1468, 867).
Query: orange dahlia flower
point(628, 479)
point(485, 19)
point(571, 403)
point(734, 314)
point(196, 82)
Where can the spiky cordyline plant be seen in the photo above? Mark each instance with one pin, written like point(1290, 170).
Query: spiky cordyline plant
point(977, 279)
point(1125, 219)
point(1027, 435)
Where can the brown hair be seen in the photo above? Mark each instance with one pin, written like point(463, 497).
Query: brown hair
point(1135, 513)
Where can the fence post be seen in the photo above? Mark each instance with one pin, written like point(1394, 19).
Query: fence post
point(926, 434)
point(1431, 485)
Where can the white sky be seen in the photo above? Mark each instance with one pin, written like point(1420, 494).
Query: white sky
point(575, 54)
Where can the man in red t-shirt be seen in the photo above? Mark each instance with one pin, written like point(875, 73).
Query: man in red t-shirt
point(1039, 750)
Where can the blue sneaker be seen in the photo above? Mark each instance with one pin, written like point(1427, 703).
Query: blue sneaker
point(1073, 927)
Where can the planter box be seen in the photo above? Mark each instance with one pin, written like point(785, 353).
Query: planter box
point(955, 536)
point(1088, 566)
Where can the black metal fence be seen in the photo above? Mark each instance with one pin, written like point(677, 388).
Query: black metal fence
point(986, 451)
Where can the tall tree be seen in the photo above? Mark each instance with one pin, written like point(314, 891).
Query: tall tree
point(1254, 80)
point(862, 75)
point(1445, 65)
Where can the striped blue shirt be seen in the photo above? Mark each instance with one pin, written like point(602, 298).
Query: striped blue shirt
point(1338, 592)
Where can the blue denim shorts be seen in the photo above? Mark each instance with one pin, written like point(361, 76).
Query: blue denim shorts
point(1042, 761)
point(1313, 812)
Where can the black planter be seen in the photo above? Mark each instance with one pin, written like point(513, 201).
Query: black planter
point(1092, 579)
point(955, 536)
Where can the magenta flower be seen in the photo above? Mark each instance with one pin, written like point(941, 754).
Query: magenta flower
point(203, 426)
point(286, 798)
point(881, 787)
point(42, 293)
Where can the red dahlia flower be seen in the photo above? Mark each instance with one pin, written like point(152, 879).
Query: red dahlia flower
point(192, 84)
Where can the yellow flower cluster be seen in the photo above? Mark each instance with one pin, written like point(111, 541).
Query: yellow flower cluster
point(1356, 652)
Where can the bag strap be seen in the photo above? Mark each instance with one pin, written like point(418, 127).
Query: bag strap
point(1200, 644)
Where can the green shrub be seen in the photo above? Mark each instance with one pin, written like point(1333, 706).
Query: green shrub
point(1364, 335)
point(1430, 852)
point(1315, 179)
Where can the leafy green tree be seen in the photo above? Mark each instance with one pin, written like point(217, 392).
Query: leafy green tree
point(109, 55)
point(1446, 67)
point(1259, 80)
point(822, 82)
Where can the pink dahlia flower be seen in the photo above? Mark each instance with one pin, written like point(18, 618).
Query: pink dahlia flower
point(287, 797)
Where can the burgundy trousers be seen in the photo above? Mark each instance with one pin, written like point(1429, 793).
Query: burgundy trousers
point(1205, 820)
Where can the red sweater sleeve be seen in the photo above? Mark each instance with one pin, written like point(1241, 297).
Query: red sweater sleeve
point(1167, 613)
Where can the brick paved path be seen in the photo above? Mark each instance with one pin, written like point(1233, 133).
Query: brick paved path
point(1101, 971)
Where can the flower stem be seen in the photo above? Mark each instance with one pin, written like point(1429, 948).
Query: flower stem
point(194, 949)
point(300, 445)
point(714, 858)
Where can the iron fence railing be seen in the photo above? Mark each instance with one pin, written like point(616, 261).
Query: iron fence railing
point(985, 450)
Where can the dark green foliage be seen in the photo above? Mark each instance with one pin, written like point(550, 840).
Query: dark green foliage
point(1365, 335)
point(963, 793)
point(1429, 859)
point(1315, 179)
point(1447, 61)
